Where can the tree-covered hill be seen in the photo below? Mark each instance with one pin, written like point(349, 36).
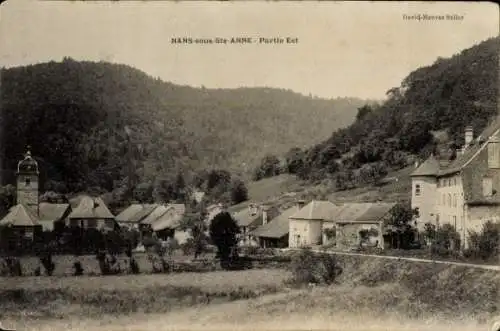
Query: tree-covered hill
point(74, 114)
point(434, 100)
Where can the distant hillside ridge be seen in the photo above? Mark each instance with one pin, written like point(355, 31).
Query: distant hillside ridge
point(74, 114)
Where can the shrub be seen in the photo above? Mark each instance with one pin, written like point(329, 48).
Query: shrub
point(317, 268)
point(484, 245)
point(447, 241)
point(11, 266)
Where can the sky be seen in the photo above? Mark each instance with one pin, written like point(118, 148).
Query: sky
point(343, 49)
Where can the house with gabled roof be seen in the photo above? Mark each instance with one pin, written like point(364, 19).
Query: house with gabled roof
point(90, 213)
point(125, 217)
point(53, 213)
point(249, 219)
point(465, 191)
point(358, 224)
point(22, 220)
point(274, 233)
point(306, 225)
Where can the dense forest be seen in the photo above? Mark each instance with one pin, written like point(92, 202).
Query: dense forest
point(432, 102)
point(85, 121)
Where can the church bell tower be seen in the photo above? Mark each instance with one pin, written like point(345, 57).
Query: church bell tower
point(27, 182)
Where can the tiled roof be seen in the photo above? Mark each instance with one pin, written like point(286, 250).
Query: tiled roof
point(429, 168)
point(52, 211)
point(169, 219)
point(375, 212)
point(462, 159)
point(180, 208)
point(245, 218)
point(89, 208)
point(277, 227)
point(350, 212)
point(153, 215)
point(19, 215)
point(447, 167)
point(317, 210)
point(143, 213)
point(126, 215)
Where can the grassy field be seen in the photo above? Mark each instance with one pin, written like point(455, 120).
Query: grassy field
point(56, 297)
point(366, 286)
point(285, 189)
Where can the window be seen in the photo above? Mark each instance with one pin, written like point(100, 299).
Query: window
point(455, 181)
point(91, 223)
point(417, 190)
point(455, 222)
point(449, 181)
point(444, 199)
point(487, 187)
point(449, 199)
point(27, 181)
point(454, 200)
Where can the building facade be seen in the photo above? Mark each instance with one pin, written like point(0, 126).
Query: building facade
point(464, 191)
point(306, 225)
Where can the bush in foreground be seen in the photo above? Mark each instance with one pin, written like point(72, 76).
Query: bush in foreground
point(317, 268)
point(485, 244)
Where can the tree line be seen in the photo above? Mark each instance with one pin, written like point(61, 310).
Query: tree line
point(443, 97)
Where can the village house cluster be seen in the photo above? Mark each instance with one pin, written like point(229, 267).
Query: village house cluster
point(461, 191)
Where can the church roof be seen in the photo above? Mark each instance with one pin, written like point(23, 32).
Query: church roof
point(20, 215)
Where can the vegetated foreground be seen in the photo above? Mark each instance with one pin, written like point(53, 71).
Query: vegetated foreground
point(370, 294)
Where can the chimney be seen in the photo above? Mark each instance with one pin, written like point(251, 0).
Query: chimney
point(469, 135)
point(300, 204)
point(417, 164)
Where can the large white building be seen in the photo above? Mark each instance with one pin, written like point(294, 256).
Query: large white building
point(463, 192)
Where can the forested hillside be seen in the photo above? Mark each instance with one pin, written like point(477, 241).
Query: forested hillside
point(74, 115)
point(441, 98)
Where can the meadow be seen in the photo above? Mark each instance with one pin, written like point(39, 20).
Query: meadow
point(55, 297)
point(366, 289)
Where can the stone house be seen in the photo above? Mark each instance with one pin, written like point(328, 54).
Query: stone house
point(307, 224)
point(361, 224)
point(463, 191)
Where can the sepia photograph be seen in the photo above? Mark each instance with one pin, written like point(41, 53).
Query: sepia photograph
point(249, 165)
